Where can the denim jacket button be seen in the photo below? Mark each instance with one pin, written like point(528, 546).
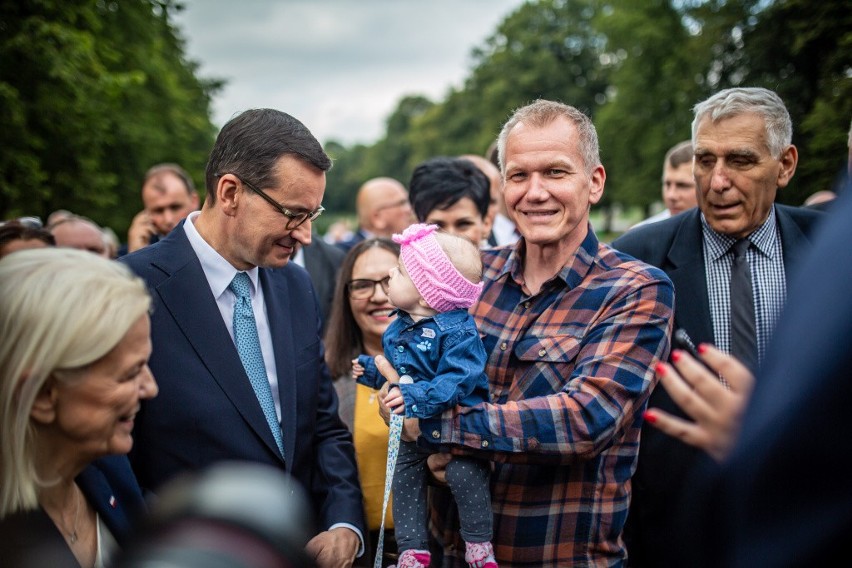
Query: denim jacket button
point(413, 408)
point(400, 348)
point(484, 443)
point(436, 434)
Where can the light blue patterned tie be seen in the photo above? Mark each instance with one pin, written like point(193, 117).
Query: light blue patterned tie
point(248, 346)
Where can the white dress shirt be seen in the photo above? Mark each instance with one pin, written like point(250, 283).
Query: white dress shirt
point(220, 273)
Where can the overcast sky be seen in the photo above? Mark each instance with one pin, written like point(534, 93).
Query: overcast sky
point(339, 66)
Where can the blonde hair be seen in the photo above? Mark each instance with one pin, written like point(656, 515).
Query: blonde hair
point(60, 310)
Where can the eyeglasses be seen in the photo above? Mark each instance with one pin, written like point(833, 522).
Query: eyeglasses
point(294, 219)
point(364, 288)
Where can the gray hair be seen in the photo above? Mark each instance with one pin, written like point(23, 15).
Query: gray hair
point(60, 310)
point(542, 113)
point(743, 100)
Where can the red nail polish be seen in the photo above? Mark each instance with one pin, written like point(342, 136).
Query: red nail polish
point(649, 417)
point(676, 355)
point(702, 348)
point(660, 369)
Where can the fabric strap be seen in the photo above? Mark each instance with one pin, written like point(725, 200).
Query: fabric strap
point(393, 453)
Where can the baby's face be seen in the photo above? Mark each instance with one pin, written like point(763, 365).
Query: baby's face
point(401, 290)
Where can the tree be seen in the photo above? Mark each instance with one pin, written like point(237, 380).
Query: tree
point(91, 95)
point(637, 67)
point(548, 49)
point(653, 87)
point(812, 72)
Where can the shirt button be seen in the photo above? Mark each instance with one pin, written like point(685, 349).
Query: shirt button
point(400, 348)
point(527, 305)
point(503, 346)
point(436, 434)
point(402, 370)
point(484, 443)
point(542, 352)
point(414, 408)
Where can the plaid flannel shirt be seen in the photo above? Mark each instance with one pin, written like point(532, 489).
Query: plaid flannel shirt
point(570, 371)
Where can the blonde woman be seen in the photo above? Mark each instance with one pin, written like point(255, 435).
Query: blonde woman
point(73, 370)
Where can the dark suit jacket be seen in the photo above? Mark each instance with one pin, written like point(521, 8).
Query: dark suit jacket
point(207, 411)
point(322, 261)
point(675, 245)
point(31, 539)
point(347, 245)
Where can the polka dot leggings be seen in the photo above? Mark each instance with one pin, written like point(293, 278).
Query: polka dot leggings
point(468, 479)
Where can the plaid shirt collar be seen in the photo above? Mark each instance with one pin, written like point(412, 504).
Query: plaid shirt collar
point(572, 273)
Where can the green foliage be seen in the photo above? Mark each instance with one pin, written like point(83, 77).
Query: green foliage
point(91, 95)
point(811, 69)
point(653, 88)
point(549, 50)
point(637, 67)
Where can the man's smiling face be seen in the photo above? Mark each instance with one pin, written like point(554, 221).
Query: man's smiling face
point(548, 190)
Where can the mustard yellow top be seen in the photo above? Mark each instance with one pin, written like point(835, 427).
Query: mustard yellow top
point(371, 451)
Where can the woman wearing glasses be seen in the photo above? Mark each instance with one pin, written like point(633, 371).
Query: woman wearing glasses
point(360, 313)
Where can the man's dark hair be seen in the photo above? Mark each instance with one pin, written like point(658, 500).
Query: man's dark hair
point(16, 230)
point(679, 154)
point(439, 183)
point(250, 145)
point(158, 170)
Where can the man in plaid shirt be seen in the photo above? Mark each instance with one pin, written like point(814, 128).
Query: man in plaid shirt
point(573, 330)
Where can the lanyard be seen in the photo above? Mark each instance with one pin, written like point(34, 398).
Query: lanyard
point(393, 452)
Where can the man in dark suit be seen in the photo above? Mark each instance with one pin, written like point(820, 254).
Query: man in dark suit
point(235, 331)
point(771, 502)
point(743, 156)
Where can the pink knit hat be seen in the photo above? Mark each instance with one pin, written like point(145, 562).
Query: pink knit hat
point(433, 274)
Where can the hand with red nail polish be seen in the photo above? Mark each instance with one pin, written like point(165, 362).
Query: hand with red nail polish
point(715, 407)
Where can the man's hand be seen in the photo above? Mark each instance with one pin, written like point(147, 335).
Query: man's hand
point(717, 410)
point(411, 426)
point(438, 466)
point(140, 232)
point(335, 548)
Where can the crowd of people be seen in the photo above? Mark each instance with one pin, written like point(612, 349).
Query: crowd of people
point(547, 417)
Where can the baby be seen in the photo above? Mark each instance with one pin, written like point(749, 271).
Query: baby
point(435, 347)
